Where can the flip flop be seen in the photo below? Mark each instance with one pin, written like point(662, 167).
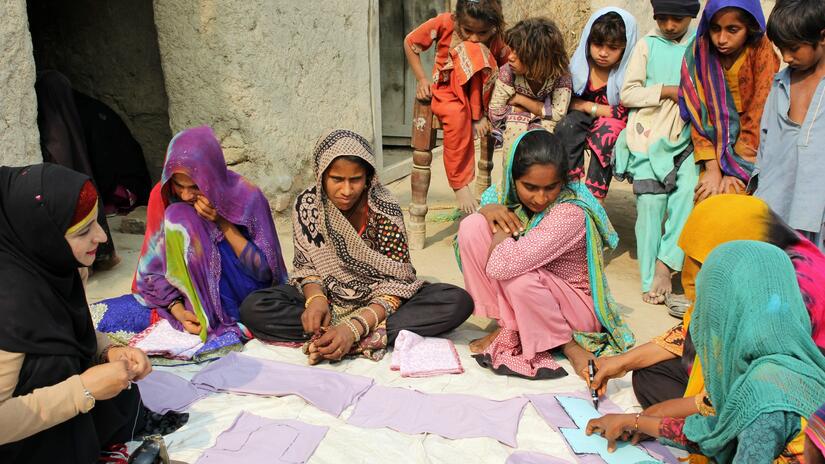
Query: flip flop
point(677, 305)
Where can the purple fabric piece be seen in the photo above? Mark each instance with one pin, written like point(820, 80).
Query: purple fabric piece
point(256, 439)
point(526, 457)
point(553, 413)
point(327, 390)
point(448, 415)
point(124, 313)
point(162, 392)
point(197, 153)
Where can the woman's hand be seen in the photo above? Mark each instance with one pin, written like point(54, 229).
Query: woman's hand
point(423, 90)
point(670, 92)
point(206, 210)
point(501, 218)
point(481, 128)
point(613, 427)
point(187, 319)
point(316, 315)
point(710, 183)
point(333, 345)
point(138, 362)
point(105, 381)
point(577, 104)
point(607, 367)
point(730, 183)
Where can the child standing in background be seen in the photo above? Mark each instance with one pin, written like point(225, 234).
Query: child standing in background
point(533, 89)
point(654, 151)
point(597, 116)
point(726, 79)
point(791, 161)
point(468, 54)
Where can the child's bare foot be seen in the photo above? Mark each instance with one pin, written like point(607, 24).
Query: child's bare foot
point(466, 201)
point(578, 357)
point(661, 286)
point(479, 345)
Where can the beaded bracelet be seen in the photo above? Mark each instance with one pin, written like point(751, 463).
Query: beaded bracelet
point(636, 422)
point(388, 309)
point(375, 314)
point(363, 321)
point(356, 335)
point(310, 280)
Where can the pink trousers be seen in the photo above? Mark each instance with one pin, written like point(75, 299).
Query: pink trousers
point(542, 307)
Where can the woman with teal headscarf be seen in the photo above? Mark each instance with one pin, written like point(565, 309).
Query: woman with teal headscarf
point(763, 372)
point(532, 260)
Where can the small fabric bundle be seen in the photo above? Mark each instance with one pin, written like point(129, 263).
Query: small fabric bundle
point(675, 7)
point(161, 339)
point(417, 356)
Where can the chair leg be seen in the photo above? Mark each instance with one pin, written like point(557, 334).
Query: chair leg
point(485, 164)
point(423, 142)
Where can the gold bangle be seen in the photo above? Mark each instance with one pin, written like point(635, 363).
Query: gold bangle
point(317, 295)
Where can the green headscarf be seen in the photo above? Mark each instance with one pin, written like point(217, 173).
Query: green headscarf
point(753, 336)
point(616, 337)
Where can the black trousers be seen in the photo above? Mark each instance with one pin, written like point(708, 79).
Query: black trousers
point(274, 314)
point(664, 381)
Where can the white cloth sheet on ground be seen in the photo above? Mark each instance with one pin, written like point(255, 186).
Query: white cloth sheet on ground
point(213, 414)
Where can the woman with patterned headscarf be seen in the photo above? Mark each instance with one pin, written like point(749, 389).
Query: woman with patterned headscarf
point(353, 288)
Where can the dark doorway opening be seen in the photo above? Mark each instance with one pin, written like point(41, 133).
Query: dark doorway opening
point(109, 51)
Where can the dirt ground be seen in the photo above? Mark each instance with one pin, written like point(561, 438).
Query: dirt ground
point(436, 262)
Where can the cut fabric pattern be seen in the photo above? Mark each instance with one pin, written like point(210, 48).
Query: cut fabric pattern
point(327, 390)
point(162, 392)
point(448, 415)
point(417, 356)
point(253, 438)
point(551, 410)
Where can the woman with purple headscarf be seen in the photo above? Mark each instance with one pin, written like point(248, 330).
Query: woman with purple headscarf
point(210, 240)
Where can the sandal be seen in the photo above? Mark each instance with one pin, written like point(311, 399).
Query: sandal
point(677, 305)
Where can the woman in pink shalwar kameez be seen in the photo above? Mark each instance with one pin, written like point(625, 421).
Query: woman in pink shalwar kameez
point(530, 259)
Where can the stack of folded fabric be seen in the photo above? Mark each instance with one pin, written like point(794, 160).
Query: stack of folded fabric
point(417, 356)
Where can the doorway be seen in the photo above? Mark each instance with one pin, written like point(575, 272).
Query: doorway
point(109, 51)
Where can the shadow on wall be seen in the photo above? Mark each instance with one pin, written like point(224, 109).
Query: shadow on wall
point(108, 50)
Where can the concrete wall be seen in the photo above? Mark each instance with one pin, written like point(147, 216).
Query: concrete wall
point(270, 76)
point(19, 138)
point(109, 50)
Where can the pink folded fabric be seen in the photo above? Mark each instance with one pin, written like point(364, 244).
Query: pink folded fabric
point(256, 439)
point(417, 356)
point(161, 339)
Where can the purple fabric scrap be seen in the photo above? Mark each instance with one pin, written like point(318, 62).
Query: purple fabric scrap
point(528, 457)
point(553, 413)
point(162, 392)
point(256, 439)
point(327, 390)
point(448, 415)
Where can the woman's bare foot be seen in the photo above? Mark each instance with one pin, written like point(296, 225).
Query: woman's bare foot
point(479, 345)
point(661, 286)
point(467, 203)
point(578, 357)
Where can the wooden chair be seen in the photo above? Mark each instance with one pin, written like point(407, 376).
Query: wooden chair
point(424, 129)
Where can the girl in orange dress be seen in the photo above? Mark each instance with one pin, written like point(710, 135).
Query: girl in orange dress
point(469, 50)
